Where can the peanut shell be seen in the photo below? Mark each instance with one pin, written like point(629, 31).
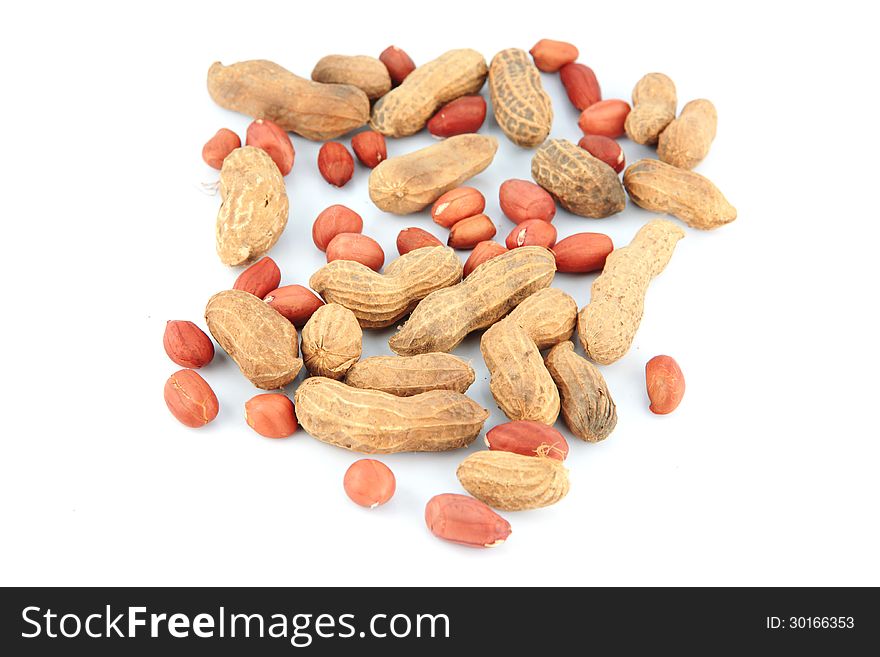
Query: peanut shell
point(331, 341)
point(265, 90)
point(580, 182)
point(513, 482)
point(522, 108)
point(443, 318)
point(260, 340)
point(587, 407)
point(608, 324)
point(654, 104)
point(686, 141)
point(406, 376)
point(379, 300)
point(411, 182)
point(254, 207)
point(661, 187)
point(366, 73)
point(376, 422)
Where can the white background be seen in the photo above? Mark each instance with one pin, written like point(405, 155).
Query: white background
point(766, 474)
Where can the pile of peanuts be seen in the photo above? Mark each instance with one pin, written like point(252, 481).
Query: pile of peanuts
point(415, 399)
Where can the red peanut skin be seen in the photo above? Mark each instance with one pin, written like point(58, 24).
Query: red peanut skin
point(295, 302)
point(607, 117)
point(528, 438)
point(457, 204)
point(268, 136)
point(410, 239)
point(605, 149)
point(467, 233)
point(187, 345)
point(271, 415)
point(357, 247)
point(219, 146)
point(190, 399)
point(581, 85)
point(335, 163)
point(522, 200)
point(370, 148)
point(461, 116)
point(665, 383)
point(551, 55)
point(369, 483)
point(398, 63)
point(465, 520)
point(332, 221)
point(582, 252)
point(485, 250)
point(260, 278)
point(533, 232)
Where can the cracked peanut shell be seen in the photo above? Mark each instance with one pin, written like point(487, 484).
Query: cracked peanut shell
point(580, 182)
point(375, 422)
point(254, 206)
point(331, 341)
point(406, 109)
point(265, 90)
point(257, 337)
point(522, 108)
point(406, 376)
point(408, 183)
point(443, 318)
point(587, 407)
point(513, 482)
point(379, 300)
point(663, 188)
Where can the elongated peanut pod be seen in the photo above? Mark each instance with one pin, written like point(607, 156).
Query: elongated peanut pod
point(375, 422)
point(406, 376)
point(520, 383)
point(406, 109)
point(522, 108)
point(443, 318)
point(661, 187)
point(686, 141)
point(654, 104)
point(587, 407)
point(265, 90)
point(408, 183)
point(513, 482)
point(379, 300)
point(608, 324)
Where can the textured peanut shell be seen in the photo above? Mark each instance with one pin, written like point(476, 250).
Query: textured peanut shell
point(258, 338)
point(254, 206)
point(686, 141)
point(513, 482)
point(580, 182)
point(376, 422)
point(265, 90)
point(443, 318)
point(661, 187)
point(654, 105)
point(520, 382)
point(379, 300)
point(366, 73)
point(406, 109)
point(522, 108)
point(549, 316)
point(587, 407)
point(409, 183)
point(331, 341)
point(608, 324)
point(406, 376)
